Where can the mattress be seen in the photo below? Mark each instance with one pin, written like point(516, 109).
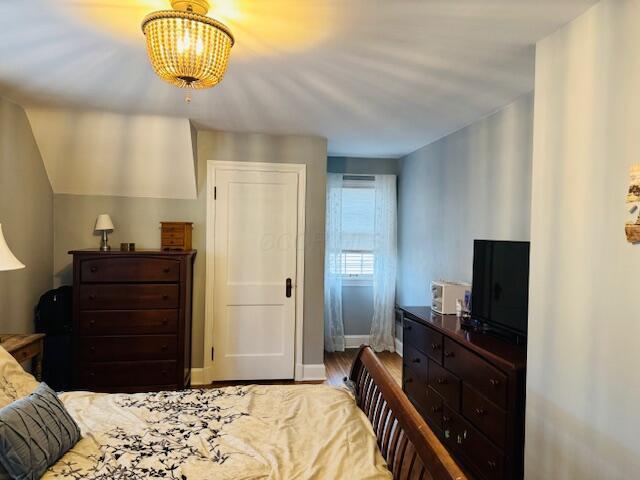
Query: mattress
point(274, 432)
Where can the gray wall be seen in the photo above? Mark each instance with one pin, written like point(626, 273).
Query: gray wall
point(474, 183)
point(137, 220)
point(363, 166)
point(357, 300)
point(583, 380)
point(26, 214)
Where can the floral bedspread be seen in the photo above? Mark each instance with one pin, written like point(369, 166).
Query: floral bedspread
point(250, 432)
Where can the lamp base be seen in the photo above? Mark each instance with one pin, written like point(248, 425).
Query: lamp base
point(104, 244)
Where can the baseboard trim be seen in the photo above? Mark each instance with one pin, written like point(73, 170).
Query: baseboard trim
point(198, 376)
point(310, 372)
point(354, 341)
point(398, 347)
point(303, 373)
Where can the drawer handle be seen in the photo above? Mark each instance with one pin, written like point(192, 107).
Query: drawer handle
point(91, 374)
point(92, 322)
point(165, 322)
point(494, 382)
point(435, 346)
point(492, 464)
point(416, 360)
point(408, 380)
point(164, 348)
point(442, 381)
point(93, 269)
point(436, 409)
point(480, 411)
point(166, 270)
point(92, 349)
point(92, 296)
point(165, 296)
point(164, 373)
point(449, 354)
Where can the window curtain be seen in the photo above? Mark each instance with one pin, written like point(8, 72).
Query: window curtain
point(382, 337)
point(333, 324)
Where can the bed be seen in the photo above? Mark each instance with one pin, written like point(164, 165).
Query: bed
point(278, 432)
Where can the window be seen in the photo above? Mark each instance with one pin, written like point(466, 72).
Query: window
point(358, 224)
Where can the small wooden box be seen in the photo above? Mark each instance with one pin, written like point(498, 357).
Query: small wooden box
point(633, 233)
point(176, 235)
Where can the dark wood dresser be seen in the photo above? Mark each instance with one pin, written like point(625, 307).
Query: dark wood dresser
point(470, 388)
point(132, 320)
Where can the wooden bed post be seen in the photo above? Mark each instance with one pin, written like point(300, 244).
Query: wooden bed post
point(411, 449)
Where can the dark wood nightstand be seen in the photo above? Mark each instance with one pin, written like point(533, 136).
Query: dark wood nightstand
point(25, 347)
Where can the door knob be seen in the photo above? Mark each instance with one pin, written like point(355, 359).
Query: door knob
point(288, 288)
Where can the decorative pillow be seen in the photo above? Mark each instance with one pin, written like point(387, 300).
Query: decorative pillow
point(35, 432)
point(15, 383)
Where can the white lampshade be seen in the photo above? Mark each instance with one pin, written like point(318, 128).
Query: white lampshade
point(8, 261)
point(103, 222)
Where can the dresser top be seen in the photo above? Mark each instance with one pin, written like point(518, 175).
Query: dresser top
point(142, 251)
point(500, 351)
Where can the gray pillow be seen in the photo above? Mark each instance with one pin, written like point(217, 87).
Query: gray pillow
point(35, 431)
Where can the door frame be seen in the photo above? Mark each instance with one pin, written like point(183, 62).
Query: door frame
point(301, 170)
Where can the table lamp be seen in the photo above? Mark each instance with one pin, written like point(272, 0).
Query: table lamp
point(104, 225)
point(8, 261)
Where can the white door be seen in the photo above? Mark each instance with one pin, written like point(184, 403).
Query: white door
point(255, 248)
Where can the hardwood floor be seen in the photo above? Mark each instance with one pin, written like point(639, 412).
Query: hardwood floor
point(338, 365)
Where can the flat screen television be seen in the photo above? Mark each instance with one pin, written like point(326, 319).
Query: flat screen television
point(500, 289)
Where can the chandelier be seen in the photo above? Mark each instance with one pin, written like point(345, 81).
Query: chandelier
point(186, 48)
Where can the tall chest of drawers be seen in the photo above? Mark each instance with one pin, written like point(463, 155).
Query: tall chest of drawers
point(132, 320)
point(470, 388)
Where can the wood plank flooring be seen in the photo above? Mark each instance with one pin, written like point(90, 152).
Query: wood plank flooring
point(338, 365)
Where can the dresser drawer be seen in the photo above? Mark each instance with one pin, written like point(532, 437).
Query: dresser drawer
point(129, 322)
point(414, 388)
point(173, 233)
point(126, 374)
point(129, 269)
point(173, 228)
point(446, 384)
point(423, 338)
point(487, 417)
point(485, 378)
point(128, 297)
point(461, 437)
point(128, 348)
point(416, 361)
point(434, 408)
point(172, 241)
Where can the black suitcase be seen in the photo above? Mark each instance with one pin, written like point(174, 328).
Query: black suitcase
point(54, 318)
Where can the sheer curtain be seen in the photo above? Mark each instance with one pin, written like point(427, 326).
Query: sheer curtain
point(384, 272)
point(333, 324)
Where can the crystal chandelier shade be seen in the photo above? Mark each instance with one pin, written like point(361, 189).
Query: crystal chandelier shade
point(188, 49)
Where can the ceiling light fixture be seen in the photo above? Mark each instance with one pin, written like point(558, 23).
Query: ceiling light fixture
point(187, 48)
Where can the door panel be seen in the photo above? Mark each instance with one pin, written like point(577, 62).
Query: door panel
point(256, 230)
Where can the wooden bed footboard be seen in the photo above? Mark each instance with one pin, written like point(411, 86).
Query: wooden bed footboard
point(411, 449)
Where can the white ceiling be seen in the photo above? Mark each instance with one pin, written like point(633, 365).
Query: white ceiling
point(376, 77)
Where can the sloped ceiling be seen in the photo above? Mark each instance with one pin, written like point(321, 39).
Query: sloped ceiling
point(100, 153)
point(375, 77)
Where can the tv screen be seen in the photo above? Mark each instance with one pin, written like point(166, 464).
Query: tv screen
point(500, 289)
